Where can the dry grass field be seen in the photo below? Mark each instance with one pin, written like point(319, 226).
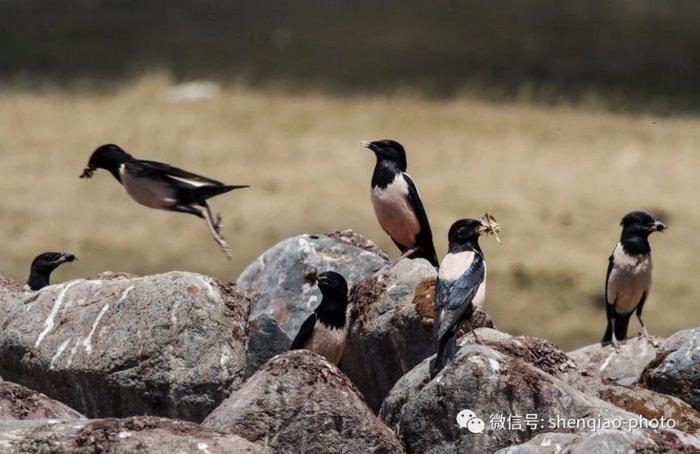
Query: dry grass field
point(558, 180)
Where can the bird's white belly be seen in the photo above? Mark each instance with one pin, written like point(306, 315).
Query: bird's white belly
point(148, 192)
point(328, 342)
point(629, 279)
point(394, 212)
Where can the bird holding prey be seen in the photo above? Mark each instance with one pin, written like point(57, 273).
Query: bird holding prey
point(162, 186)
point(628, 280)
point(43, 265)
point(461, 285)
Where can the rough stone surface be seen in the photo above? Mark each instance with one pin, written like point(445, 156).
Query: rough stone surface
point(265, 340)
point(167, 345)
point(623, 367)
point(130, 435)
point(20, 403)
point(642, 441)
point(653, 405)
point(275, 281)
point(423, 411)
point(390, 327)
point(298, 402)
point(676, 368)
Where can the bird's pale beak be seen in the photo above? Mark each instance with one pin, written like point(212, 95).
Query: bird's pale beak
point(658, 226)
point(366, 144)
point(87, 172)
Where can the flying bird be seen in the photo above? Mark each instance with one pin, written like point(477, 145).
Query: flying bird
point(43, 265)
point(397, 203)
point(324, 330)
point(628, 280)
point(461, 285)
point(162, 186)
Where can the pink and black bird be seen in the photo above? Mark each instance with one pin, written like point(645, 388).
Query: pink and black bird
point(397, 204)
point(162, 186)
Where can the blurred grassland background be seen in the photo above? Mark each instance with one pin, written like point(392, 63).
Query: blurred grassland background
point(557, 119)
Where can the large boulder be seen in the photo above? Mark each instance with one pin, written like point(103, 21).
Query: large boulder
point(623, 367)
point(135, 434)
point(298, 402)
point(390, 327)
point(609, 441)
point(20, 403)
point(275, 281)
point(265, 340)
point(168, 345)
point(676, 368)
point(493, 383)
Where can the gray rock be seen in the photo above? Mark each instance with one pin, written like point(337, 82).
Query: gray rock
point(136, 434)
point(167, 345)
point(275, 281)
point(20, 403)
point(265, 340)
point(609, 441)
point(423, 412)
point(623, 367)
point(676, 368)
point(653, 405)
point(299, 402)
point(390, 327)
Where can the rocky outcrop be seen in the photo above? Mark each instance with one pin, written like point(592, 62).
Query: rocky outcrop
point(18, 403)
point(623, 367)
point(275, 281)
point(390, 327)
point(676, 368)
point(488, 381)
point(298, 402)
point(135, 434)
point(265, 340)
point(609, 441)
point(168, 345)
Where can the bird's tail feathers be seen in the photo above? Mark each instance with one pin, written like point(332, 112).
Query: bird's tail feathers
point(202, 193)
point(621, 324)
point(446, 352)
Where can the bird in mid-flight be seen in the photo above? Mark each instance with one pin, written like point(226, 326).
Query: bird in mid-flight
point(43, 265)
point(461, 285)
point(162, 186)
point(324, 331)
point(397, 203)
point(628, 280)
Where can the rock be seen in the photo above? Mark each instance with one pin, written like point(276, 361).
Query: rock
point(167, 345)
point(653, 405)
point(299, 402)
point(390, 327)
point(482, 379)
point(265, 340)
point(275, 281)
point(20, 403)
point(623, 367)
point(135, 434)
point(676, 368)
point(609, 441)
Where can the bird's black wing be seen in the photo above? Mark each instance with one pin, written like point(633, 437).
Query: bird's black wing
point(305, 333)
point(607, 275)
point(144, 168)
point(425, 235)
point(455, 297)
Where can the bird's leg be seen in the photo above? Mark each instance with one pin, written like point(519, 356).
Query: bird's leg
point(187, 209)
point(402, 256)
point(615, 343)
point(645, 334)
point(216, 234)
point(218, 226)
point(471, 328)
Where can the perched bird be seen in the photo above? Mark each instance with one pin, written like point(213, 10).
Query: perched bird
point(628, 280)
point(461, 285)
point(162, 186)
point(43, 265)
point(324, 331)
point(397, 203)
